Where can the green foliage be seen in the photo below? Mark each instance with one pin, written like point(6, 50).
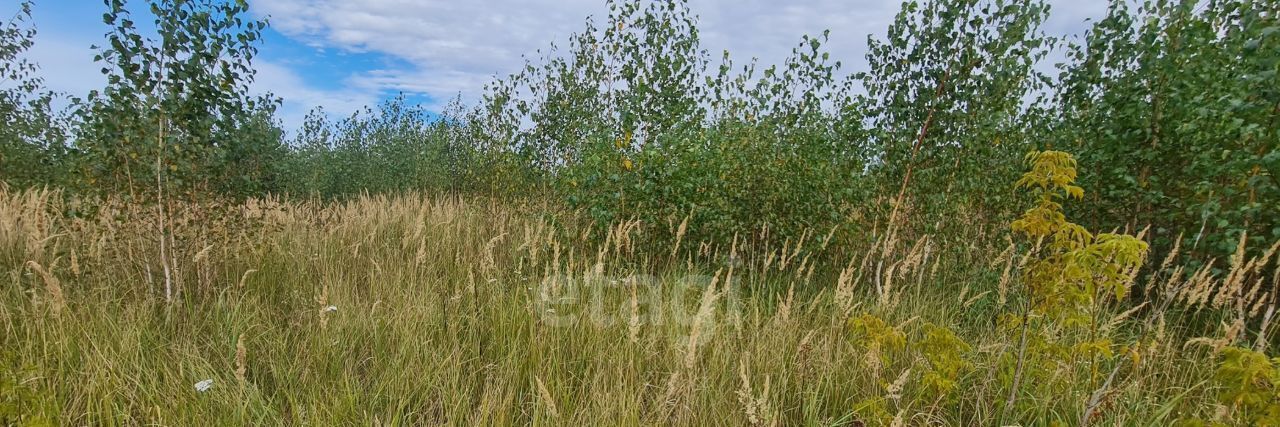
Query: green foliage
point(946, 98)
point(21, 403)
point(874, 332)
point(1176, 104)
point(1172, 104)
point(877, 339)
point(32, 140)
point(254, 163)
point(942, 358)
point(1248, 380)
point(174, 104)
point(633, 123)
point(946, 354)
point(1068, 277)
point(398, 147)
point(1071, 265)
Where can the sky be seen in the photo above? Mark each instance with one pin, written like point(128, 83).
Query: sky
point(345, 54)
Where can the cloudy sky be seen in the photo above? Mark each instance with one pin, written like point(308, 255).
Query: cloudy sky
point(343, 54)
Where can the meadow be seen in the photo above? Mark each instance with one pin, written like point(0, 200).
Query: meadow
point(631, 231)
point(414, 309)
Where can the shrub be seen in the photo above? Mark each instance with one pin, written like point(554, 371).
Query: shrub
point(1070, 272)
point(631, 123)
point(33, 146)
point(1174, 105)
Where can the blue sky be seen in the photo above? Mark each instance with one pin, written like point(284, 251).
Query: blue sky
point(343, 54)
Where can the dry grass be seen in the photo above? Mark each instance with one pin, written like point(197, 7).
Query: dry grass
point(422, 310)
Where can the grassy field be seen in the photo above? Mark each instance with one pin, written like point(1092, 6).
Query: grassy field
point(992, 214)
point(422, 311)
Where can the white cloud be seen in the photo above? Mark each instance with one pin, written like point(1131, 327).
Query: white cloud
point(456, 46)
point(453, 46)
point(66, 64)
point(299, 98)
point(768, 30)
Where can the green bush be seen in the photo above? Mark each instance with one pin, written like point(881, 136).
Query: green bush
point(33, 141)
point(1176, 108)
point(632, 124)
point(176, 105)
point(398, 147)
point(1172, 107)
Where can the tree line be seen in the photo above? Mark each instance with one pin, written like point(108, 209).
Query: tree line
point(1170, 107)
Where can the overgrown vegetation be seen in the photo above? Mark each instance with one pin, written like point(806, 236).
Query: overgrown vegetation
point(634, 231)
point(1176, 105)
point(1172, 104)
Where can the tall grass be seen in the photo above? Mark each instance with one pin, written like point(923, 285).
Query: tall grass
point(413, 309)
